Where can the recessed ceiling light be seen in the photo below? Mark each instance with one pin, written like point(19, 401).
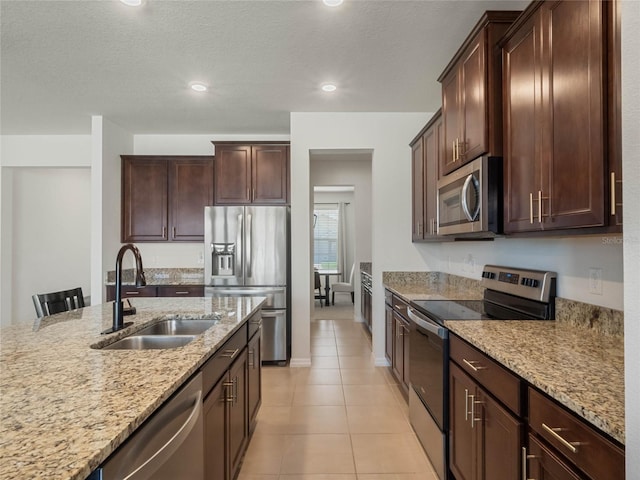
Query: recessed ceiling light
point(198, 86)
point(332, 3)
point(132, 3)
point(329, 87)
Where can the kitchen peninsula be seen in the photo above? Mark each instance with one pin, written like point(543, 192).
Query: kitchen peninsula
point(66, 404)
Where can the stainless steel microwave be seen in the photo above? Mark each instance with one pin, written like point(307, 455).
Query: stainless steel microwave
point(470, 200)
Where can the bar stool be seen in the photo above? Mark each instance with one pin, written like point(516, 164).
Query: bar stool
point(56, 302)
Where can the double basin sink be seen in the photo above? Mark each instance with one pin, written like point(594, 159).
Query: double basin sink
point(164, 334)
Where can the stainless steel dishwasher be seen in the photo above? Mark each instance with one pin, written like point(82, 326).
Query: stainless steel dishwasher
point(169, 445)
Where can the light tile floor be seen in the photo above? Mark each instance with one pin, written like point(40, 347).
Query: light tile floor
point(340, 419)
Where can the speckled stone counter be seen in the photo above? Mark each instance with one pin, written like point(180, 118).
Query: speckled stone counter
point(65, 407)
point(580, 368)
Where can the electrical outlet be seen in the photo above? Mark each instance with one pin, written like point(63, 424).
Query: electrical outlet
point(201, 258)
point(595, 281)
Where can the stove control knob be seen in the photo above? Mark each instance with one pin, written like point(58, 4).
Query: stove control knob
point(535, 283)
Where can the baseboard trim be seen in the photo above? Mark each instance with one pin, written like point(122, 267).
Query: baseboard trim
point(300, 362)
point(381, 362)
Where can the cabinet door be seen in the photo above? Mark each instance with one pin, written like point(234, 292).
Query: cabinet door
point(238, 418)
point(232, 174)
point(398, 348)
point(254, 377)
point(473, 85)
point(500, 437)
point(522, 117)
point(417, 189)
point(214, 412)
point(573, 182)
point(543, 464)
point(388, 333)
point(269, 175)
point(451, 119)
point(433, 147)
point(144, 200)
point(191, 189)
point(462, 454)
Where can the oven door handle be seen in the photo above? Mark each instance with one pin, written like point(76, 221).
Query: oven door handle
point(428, 325)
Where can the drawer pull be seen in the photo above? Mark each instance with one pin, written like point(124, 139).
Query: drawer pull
point(132, 293)
point(471, 364)
point(182, 293)
point(553, 431)
point(230, 353)
point(398, 307)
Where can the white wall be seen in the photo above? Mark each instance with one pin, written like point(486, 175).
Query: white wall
point(631, 198)
point(182, 254)
point(109, 141)
point(388, 135)
point(570, 257)
point(51, 234)
point(33, 156)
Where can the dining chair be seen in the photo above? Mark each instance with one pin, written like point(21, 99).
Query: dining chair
point(56, 302)
point(343, 287)
point(317, 285)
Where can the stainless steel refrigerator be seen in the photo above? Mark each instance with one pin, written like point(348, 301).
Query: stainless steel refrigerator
point(247, 254)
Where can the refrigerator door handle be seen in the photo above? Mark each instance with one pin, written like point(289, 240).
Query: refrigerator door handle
point(249, 244)
point(239, 253)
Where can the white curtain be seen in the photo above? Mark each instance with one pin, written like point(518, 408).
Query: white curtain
point(342, 242)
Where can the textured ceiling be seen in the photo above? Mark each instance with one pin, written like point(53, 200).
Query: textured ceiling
point(63, 61)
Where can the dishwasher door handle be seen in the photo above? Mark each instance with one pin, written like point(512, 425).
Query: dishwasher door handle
point(158, 457)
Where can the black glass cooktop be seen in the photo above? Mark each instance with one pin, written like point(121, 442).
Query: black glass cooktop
point(441, 310)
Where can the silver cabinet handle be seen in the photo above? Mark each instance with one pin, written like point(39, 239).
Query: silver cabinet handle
point(539, 206)
point(525, 458)
point(453, 151)
point(553, 431)
point(613, 193)
point(466, 404)
point(132, 293)
point(230, 353)
point(164, 232)
point(471, 364)
point(182, 292)
point(531, 207)
point(473, 407)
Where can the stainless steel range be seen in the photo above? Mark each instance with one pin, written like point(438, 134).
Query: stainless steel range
point(510, 294)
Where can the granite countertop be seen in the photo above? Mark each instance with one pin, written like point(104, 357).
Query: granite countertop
point(579, 367)
point(65, 407)
point(161, 276)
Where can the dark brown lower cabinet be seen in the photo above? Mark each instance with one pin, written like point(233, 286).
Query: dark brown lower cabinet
point(131, 291)
point(254, 377)
point(388, 333)
point(485, 438)
point(543, 464)
point(226, 422)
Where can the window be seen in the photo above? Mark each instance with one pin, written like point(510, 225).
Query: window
point(325, 236)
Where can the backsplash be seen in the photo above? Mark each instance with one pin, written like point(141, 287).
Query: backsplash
point(601, 319)
point(162, 276)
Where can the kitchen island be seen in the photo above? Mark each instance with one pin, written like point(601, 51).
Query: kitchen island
point(66, 405)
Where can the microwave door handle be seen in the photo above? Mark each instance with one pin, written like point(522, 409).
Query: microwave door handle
point(463, 198)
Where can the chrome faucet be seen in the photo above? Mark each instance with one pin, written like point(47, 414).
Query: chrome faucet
point(118, 308)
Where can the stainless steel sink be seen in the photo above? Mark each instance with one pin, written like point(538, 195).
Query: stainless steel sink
point(178, 327)
point(150, 342)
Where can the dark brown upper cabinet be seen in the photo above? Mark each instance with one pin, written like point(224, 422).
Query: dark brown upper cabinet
point(163, 197)
point(472, 94)
point(561, 118)
point(427, 151)
point(251, 173)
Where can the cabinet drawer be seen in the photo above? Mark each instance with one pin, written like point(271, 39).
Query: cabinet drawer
point(223, 358)
point(181, 291)
point(502, 384)
point(253, 324)
point(542, 462)
point(131, 291)
point(388, 297)
point(400, 306)
point(579, 443)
